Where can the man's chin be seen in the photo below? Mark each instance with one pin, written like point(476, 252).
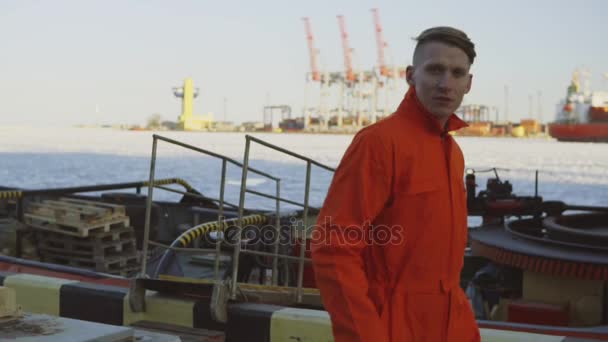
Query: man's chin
point(442, 113)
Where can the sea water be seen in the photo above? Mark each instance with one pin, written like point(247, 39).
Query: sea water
point(35, 158)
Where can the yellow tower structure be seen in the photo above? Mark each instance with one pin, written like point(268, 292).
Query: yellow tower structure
point(188, 121)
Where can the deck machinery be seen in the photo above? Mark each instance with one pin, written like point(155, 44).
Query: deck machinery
point(537, 261)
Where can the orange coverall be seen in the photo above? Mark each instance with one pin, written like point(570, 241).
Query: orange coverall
point(404, 176)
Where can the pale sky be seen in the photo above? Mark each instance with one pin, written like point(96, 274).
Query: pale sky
point(105, 62)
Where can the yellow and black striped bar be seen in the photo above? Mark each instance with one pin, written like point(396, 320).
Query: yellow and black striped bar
point(169, 181)
point(11, 194)
point(246, 321)
point(103, 303)
point(205, 228)
point(272, 323)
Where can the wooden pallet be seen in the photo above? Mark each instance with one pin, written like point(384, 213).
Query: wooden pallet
point(116, 209)
point(80, 229)
point(116, 263)
point(91, 249)
point(71, 210)
point(114, 235)
point(74, 216)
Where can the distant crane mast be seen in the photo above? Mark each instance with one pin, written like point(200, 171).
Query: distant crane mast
point(381, 44)
point(314, 64)
point(387, 75)
point(350, 77)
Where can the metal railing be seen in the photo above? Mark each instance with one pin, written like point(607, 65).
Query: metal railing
point(221, 202)
point(301, 258)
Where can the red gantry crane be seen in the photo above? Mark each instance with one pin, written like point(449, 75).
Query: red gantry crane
point(349, 75)
point(314, 64)
point(388, 71)
point(381, 45)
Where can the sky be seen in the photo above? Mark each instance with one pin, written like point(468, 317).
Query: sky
point(111, 62)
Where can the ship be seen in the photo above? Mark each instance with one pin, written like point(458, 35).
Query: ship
point(204, 269)
point(582, 116)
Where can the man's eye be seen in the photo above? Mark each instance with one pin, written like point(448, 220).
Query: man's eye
point(435, 69)
point(458, 73)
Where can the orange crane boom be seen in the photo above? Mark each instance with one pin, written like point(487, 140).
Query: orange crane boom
point(380, 43)
point(314, 65)
point(348, 53)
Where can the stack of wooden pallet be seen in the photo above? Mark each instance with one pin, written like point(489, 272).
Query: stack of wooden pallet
point(85, 234)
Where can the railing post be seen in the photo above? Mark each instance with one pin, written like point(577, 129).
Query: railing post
point(277, 239)
point(239, 228)
point(304, 236)
point(148, 208)
point(221, 229)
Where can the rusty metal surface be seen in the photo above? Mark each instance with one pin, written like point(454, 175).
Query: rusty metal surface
point(29, 325)
point(186, 334)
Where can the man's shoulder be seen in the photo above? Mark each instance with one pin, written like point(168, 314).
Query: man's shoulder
point(392, 128)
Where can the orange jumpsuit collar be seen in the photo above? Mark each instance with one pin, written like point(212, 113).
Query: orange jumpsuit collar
point(412, 106)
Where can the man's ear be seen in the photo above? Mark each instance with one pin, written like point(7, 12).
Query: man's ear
point(409, 75)
point(470, 83)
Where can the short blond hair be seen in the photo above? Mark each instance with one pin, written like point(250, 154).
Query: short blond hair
point(450, 36)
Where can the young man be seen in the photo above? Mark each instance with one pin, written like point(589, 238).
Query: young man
point(389, 242)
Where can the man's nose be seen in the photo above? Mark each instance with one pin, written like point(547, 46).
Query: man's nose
point(445, 81)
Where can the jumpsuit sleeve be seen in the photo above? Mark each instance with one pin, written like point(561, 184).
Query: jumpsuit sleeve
point(359, 190)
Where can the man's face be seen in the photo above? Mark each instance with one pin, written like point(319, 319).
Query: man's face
point(440, 75)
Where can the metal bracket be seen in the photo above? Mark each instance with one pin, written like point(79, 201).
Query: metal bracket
point(137, 295)
point(219, 301)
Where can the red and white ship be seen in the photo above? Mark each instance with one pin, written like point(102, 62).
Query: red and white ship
point(582, 115)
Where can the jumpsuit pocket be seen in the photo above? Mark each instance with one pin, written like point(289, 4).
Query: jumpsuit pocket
point(417, 202)
point(417, 194)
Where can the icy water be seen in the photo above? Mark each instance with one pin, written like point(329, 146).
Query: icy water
point(32, 158)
